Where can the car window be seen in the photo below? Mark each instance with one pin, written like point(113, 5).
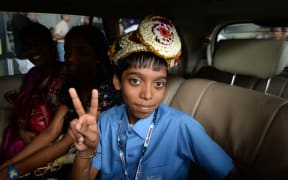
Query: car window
point(252, 31)
point(8, 64)
point(127, 25)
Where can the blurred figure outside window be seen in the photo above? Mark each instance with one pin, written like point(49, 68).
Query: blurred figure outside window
point(61, 29)
point(277, 33)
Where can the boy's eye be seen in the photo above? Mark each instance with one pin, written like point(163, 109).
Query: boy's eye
point(134, 81)
point(159, 84)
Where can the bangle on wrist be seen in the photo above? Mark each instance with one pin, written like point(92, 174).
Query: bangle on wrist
point(12, 172)
point(85, 154)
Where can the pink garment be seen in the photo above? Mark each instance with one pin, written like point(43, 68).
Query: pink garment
point(11, 145)
point(35, 111)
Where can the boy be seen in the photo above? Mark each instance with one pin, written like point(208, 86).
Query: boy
point(142, 138)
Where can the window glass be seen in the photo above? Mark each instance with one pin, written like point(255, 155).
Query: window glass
point(252, 31)
point(127, 25)
point(10, 64)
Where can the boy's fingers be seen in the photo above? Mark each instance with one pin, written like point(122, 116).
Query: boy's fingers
point(76, 102)
point(94, 103)
point(73, 131)
point(90, 133)
point(85, 121)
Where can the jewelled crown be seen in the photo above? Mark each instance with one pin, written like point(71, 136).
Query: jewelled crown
point(155, 34)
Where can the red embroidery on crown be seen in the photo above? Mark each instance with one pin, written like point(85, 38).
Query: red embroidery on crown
point(133, 37)
point(164, 32)
point(176, 61)
point(163, 20)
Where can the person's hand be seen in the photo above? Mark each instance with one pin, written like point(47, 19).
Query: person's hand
point(26, 136)
point(84, 130)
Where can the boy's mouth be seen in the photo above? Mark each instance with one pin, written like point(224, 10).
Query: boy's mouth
point(144, 108)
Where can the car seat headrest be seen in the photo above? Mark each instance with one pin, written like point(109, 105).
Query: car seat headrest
point(252, 57)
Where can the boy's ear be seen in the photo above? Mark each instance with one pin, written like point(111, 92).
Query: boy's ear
point(116, 82)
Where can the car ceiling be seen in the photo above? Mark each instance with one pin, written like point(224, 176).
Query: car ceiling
point(199, 15)
point(197, 18)
point(222, 9)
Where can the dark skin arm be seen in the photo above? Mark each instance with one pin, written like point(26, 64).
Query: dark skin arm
point(31, 156)
point(43, 139)
point(84, 132)
point(42, 157)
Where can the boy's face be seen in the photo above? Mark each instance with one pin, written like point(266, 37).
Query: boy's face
point(142, 91)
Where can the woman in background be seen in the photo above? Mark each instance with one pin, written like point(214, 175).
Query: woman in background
point(40, 89)
point(88, 67)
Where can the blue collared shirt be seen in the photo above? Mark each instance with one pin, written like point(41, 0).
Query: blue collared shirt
point(178, 141)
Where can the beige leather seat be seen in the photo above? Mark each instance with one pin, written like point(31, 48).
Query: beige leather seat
point(248, 124)
point(8, 83)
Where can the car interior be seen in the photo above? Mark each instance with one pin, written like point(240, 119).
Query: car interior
point(232, 75)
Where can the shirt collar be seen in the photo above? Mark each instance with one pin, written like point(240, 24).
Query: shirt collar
point(141, 126)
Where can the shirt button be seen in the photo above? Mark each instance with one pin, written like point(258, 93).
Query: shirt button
point(130, 155)
point(129, 132)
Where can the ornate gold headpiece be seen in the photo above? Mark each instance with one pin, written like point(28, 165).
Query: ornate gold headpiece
point(155, 34)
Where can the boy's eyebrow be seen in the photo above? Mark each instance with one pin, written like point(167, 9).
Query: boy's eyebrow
point(163, 77)
point(141, 74)
point(134, 73)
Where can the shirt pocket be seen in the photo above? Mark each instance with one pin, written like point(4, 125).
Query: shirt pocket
point(155, 170)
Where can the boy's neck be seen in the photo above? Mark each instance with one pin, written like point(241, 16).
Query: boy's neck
point(133, 121)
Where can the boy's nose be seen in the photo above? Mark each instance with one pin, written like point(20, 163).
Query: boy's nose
point(146, 92)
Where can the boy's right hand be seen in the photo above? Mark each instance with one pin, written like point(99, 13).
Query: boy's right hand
point(84, 130)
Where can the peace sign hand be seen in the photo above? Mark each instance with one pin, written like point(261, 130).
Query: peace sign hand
point(84, 130)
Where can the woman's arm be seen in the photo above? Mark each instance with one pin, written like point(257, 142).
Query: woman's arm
point(42, 157)
point(44, 139)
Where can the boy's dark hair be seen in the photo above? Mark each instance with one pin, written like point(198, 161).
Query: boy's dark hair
point(140, 60)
